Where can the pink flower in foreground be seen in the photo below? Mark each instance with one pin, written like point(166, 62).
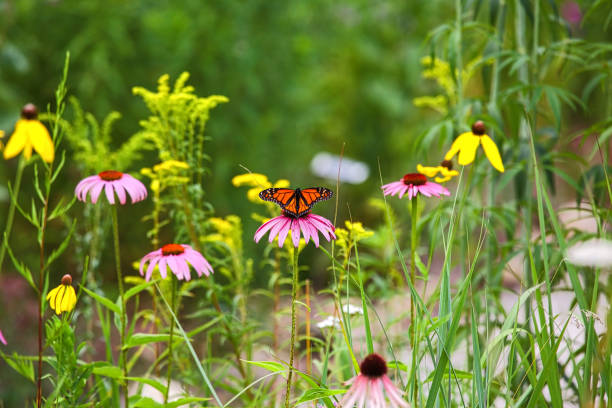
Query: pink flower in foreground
point(112, 182)
point(367, 387)
point(413, 184)
point(308, 224)
point(177, 257)
point(2, 340)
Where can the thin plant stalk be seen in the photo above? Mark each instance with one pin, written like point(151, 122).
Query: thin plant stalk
point(122, 350)
point(413, 323)
point(364, 305)
point(293, 325)
point(170, 339)
point(11, 213)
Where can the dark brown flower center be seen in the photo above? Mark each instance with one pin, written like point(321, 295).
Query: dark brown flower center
point(416, 179)
point(172, 249)
point(66, 279)
point(29, 111)
point(110, 175)
point(373, 366)
point(447, 163)
point(478, 128)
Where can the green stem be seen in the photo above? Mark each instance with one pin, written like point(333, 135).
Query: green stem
point(11, 212)
point(170, 360)
point(413, 323)
point(364, 305)
point(122, 352)
point(292, 344)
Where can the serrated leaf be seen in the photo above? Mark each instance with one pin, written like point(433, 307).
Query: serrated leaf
point(20, 364)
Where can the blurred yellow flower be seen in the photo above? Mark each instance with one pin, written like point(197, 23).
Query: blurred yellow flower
point(30, 133)
point(63, 298)
point(467, 144)
point(445, 169)
point(353, 233)
point(259, 182)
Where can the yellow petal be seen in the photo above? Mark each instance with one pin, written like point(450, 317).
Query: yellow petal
point(467, 149)
point(41, 140)
point(442, 179)
point(52, 293)
point(69, 299)
point(17, 142)
point(456, 146)
point(428, 171)
point(492, 153)
point(56, 299)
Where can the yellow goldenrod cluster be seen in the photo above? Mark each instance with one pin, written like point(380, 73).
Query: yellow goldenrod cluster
point(165, 174)
point(258, 182)
point(228, 231)
point(353, 233)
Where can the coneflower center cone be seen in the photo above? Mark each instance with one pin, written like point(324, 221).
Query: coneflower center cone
point(415, 179)
point(110, 175)
point(373, 366)
point(172, 249)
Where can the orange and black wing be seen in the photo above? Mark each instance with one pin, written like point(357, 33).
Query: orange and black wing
point(311, 196)
point(284, 197)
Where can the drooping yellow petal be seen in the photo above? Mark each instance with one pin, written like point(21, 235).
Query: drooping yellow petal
point(467, 149)
point(456, 146)
point(68, 300)
point(17, 142)
point(492, 153)
point(40, 139)
point(428, 171)
point(55, 298)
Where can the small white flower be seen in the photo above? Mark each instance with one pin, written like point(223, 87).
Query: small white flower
point(352, 309)
point(594, 252)
point(330, 321)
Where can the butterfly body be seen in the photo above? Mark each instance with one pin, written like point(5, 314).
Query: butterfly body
point(298, 202)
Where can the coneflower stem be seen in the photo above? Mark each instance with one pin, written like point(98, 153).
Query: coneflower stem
point(11, 212)
point(293, 325)
point(122, 350)
point(170, 359)
point(413, 323)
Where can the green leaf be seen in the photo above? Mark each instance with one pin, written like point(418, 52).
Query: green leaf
point(60, 249)
point(107, 370)
point(138, 339)
point(21, 267)
point(102, 300)
point(268, 365)
point(21, 365)
point(317, 393)
point(153, 383)
point(137, 289)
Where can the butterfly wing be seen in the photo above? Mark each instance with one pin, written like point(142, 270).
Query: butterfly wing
point(296, 202)
point(311, 196)
point(284, 197)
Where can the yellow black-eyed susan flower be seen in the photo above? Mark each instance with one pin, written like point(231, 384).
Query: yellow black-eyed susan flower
point(467, 144)
point(445, 169)
point(63, 298)
point(30, 133)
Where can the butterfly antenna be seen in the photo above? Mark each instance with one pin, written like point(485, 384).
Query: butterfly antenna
point(250, 172)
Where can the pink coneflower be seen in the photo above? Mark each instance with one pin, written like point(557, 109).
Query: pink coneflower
point(367, 387)
point(413, 184)
point(308, 224)
point(112, 182)
point(2, 340)
point(177, 257)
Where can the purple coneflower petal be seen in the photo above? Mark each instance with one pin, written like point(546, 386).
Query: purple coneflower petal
point(305, 227)
point(120, 190)
point(174, 267)
point(295, 232)
point(393, 393)
point(110, 195)
point(263, 228)
point(281, 223)
point(2, 339)
point(162, 267)
point(284, 231)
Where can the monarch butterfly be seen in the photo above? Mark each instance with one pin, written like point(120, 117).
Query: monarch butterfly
point(296, 202)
